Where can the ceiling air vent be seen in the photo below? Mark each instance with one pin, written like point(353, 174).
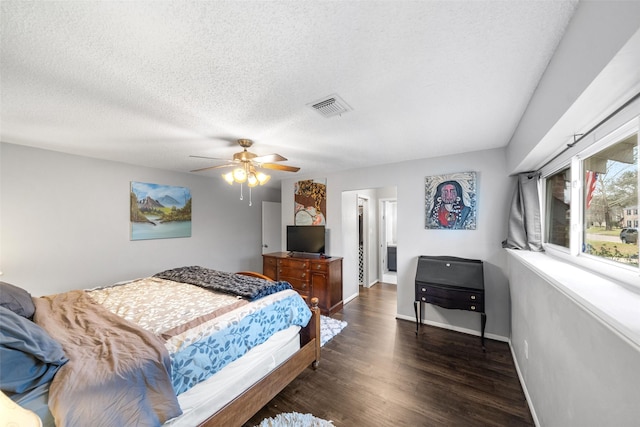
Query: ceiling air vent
point(330, 106)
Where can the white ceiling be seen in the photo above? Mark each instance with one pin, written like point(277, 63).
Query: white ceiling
point(150, 83)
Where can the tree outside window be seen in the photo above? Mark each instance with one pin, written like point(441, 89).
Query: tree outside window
point(610, 183)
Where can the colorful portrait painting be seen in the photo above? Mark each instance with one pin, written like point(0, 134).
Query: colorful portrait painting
point(159, 211)
point(450, 201)
point(310, 200)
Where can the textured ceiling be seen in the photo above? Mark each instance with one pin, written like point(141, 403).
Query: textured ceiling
point(150, 83)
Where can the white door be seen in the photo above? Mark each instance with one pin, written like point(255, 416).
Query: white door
point(271, 227)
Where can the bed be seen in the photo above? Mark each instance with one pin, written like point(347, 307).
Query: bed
point(184, 347)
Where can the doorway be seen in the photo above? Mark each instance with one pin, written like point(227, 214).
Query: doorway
point(271, 227)
point(363, 242)
point(355, 202)
point(388, 240)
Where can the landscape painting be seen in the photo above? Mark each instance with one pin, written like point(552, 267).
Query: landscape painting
point(159, 211)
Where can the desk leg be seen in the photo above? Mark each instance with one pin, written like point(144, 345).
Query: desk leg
point(484, 323)
point(415, 308)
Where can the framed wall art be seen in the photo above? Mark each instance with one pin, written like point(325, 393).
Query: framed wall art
point(310, 201)
point(450, 201)
point(159, 211)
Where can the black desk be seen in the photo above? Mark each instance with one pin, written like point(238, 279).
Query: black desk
point(450, 282)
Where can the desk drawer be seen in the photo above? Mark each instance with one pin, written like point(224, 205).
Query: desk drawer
point(451, 303)
point(456, 294)
point(471, 300)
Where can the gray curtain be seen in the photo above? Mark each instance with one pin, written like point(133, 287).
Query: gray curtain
point(524, 218)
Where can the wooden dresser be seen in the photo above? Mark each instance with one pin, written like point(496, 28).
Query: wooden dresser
point(450, 282)
point(310, 276)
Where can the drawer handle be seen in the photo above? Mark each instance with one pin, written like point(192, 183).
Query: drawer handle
point(448, 265)
point(304, 274)
point(473, 307)
point(304, 285)
point(318, 267)
point(423, 298)
point(424, 289)
point(473, 297)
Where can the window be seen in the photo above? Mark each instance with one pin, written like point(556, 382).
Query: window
point(601, 183)
point(558, 203)
point(610, 184)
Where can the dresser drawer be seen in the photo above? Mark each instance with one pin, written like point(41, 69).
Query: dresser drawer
point(292, 272)
point(272, 262)
point(297, 283)
point(319, 266)
point(293, 263)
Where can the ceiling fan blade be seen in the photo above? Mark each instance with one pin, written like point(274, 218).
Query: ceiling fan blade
point(210, 158)
point(212, 167)
point(279, 167)
point(269, 158)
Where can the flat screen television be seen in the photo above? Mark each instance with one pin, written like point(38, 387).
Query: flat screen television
point(305, 238)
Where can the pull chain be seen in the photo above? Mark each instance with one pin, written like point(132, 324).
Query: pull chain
point(241, 196)
point(249, 196)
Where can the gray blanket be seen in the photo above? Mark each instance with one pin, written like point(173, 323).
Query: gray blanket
point(251, 288)
point(117, 373)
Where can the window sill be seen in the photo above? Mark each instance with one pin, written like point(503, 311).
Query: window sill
point(611, 302)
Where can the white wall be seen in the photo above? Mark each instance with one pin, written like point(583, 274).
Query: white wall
point(494, 193)
point(577, 371)
point(594, 70)
point(65, 222)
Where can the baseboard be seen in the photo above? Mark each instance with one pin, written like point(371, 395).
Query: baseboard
point(524, 387)
point(455, 328)
point(348, 299)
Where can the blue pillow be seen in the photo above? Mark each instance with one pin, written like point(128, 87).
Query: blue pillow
point(17, 300)
point(30, 357)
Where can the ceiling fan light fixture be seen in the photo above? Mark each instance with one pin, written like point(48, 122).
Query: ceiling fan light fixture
point(263, 178)
point(239, 175)
point(228, 177)
point(247, 167)
point(252, 181)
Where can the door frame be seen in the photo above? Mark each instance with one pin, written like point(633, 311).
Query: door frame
point(365, 237)
point(271, 227)
point(382, 233)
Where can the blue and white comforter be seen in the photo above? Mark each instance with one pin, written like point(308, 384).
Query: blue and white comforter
point(202, 330)
point(240, 331)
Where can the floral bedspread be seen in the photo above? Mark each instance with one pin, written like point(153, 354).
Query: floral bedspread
point(203, 330)
point(239, 331)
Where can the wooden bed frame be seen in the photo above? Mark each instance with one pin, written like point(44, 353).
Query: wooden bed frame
point(242, 408)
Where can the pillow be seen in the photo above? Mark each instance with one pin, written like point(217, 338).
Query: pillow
point(34, 357)
point(17, 300)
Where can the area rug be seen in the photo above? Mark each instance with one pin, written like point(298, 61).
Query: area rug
point(294, 419)
point(329, 328)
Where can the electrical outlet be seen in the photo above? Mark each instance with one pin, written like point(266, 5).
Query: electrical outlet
point(526, 350)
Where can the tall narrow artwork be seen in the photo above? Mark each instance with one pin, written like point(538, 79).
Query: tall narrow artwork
point(450, 201)
point(310, 200)
point(159, 211)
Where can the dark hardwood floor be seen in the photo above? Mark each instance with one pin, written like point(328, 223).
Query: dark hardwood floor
point(378, 373)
